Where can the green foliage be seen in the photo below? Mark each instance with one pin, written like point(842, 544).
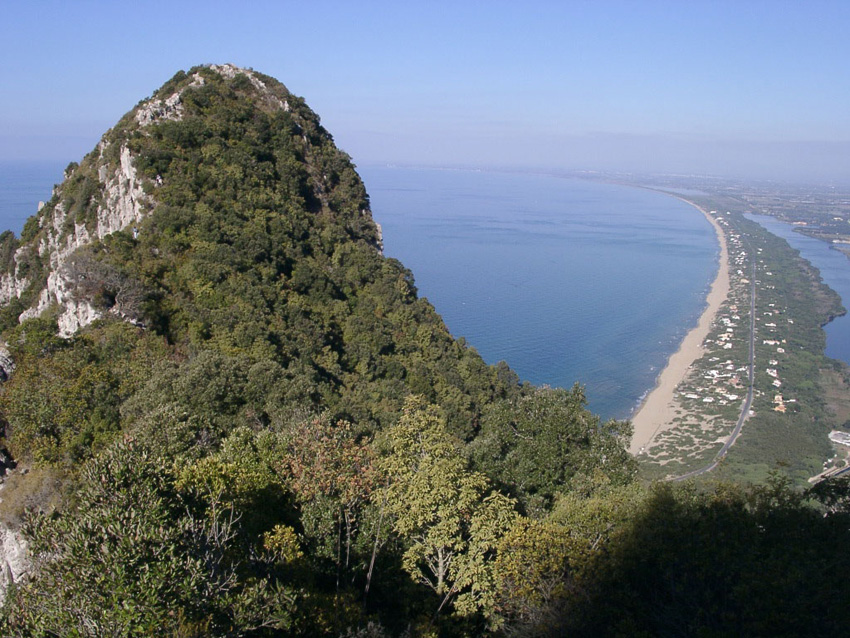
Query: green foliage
point(732, 561)
point(239, 478)
point(333, 476)
point(594, 518)
point(282, 542)
point(533, 570)
point(450, 518)
point(62, 404)
point(82, 194)
point(150, 564)
point(8, 245)
point(187, 408)
point(42, 489)
point(833, 494)
point(541, 443)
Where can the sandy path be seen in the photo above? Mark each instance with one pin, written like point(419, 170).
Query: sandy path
point(656, 413)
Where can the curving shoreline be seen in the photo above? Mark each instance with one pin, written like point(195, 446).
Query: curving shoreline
point(657, 411)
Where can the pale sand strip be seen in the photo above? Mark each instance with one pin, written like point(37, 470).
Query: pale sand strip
point(656, 413)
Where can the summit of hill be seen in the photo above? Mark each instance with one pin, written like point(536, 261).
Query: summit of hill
point(226, 413)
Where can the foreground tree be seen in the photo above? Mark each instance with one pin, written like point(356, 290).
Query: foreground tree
point(534, 569)
point(333, 475)
point(163, 569)
point(548, 442)
point(449, 517)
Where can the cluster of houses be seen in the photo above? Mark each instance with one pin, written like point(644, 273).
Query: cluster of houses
point(724, 381)
point(768, 322)
point(721, 384)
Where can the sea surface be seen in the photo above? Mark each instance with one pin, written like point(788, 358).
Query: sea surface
point(22, 186)
point(568, 281)
point(834, 268)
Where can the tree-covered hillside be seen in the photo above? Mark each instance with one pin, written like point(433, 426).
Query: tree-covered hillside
point(257, 245)
point(228, 414)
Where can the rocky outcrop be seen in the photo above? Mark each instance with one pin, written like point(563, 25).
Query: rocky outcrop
point(123, 204)
point(7, 365)
point(14, 284)
point(230, 71)
point(155, 110)
point(124, 197)
point(14, 559)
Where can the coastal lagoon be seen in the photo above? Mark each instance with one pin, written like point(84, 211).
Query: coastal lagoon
point(569, 281)
point(835, 272)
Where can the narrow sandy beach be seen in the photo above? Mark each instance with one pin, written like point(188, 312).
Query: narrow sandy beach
point(656, 414)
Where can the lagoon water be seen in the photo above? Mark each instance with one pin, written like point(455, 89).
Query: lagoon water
point(568, 281)
point(835, 272)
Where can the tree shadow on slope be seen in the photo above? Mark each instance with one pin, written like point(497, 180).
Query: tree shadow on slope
point(763, 561)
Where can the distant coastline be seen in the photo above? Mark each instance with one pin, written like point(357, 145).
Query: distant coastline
point(656, 412)
point(618, 361)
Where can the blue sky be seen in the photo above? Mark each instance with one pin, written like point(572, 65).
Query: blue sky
point(745, 88)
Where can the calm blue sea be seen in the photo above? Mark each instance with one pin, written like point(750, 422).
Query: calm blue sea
point(22, 186)
point(835, 271)
point(568, 281)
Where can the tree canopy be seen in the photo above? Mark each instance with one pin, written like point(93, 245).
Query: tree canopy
point(268, 433)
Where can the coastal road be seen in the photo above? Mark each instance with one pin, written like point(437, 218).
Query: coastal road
point(829, 474)
point(745, 410)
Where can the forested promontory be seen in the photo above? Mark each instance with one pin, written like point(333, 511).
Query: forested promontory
point(226, 413)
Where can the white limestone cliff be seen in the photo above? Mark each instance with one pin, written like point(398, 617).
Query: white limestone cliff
point(14, 559)
point(124, 204)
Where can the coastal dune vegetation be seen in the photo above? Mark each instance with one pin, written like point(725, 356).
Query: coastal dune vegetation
point(777, 299)
point(226, 413)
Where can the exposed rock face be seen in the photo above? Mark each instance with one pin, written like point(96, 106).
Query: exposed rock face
point(154, 110)
point(7, 365)
point(13, 284)
point(123, 204)
point(14, 559)
point(106, 193)
point(229, 71)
